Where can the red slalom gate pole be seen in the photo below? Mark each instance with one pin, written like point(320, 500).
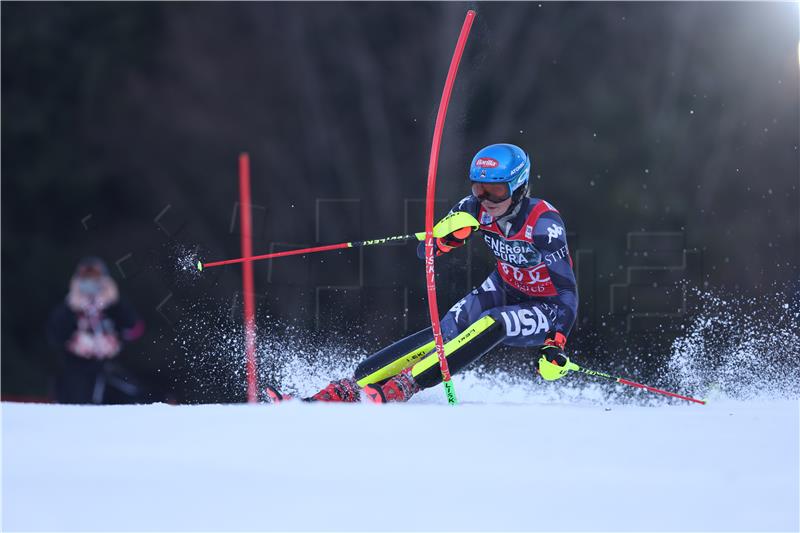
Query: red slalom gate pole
point(247, 275)
point(429, 203)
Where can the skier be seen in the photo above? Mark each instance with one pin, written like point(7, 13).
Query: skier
point(529, 300)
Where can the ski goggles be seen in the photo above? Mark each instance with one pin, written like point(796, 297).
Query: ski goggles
point(492, 192)
point(90, 286)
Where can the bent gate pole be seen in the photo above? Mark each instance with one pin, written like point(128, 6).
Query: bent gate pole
point(429, 204)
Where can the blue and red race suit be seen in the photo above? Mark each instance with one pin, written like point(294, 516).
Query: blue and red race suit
point(533, 289)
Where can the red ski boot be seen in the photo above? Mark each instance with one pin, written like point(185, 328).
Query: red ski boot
point(275, 396)
point(398, 389)
point(340, 390)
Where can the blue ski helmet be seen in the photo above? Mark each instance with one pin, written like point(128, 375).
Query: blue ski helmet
point(502, 163)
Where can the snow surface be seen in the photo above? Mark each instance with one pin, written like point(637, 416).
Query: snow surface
point(730, 465)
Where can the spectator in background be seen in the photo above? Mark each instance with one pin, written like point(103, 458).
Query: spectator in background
point(88, 330)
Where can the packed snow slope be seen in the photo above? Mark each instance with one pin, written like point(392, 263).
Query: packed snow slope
point(554, 466)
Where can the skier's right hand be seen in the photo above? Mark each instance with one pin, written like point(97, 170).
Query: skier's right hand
point(452, 240)
point(553, 361)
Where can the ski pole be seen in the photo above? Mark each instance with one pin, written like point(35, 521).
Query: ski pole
point(354, 244)
point(624, 381)
point(452, 222)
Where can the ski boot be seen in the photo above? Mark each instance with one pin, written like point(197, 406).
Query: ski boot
point(276, 396)
point(398, 389)
point(340, 390)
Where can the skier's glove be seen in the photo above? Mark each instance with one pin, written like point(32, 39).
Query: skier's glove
point(453, 240)
point(553, 362)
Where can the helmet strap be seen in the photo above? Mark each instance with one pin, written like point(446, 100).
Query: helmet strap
point(519, 193)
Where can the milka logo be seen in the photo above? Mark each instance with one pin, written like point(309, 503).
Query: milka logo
point(486, 162)
point(525, 322)
point(554, 232)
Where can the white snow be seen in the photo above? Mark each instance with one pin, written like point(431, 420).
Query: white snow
point(730, 466)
